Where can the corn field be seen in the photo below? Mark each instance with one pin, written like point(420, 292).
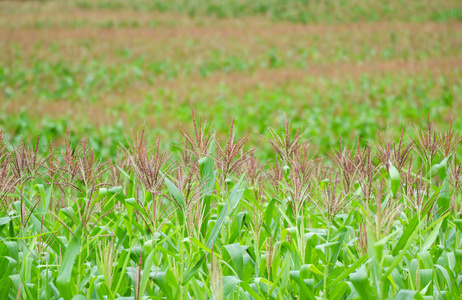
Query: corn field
point(212, 221)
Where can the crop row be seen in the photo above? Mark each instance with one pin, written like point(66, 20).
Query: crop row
point(381, 221)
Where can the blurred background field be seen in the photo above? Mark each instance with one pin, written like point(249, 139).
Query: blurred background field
point(105, 68)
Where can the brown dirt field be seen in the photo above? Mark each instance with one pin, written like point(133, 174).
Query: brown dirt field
point(227, 30)
point(238, 84)
point(345, 70)
point(325, 43)
point(336, 52)
point(339, 9)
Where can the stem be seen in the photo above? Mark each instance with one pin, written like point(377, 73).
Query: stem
point(326, 268)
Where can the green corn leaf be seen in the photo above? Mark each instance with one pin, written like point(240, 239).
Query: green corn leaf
point(269, 212)
point(63, 281)
point(45, 195)
point(398, 259)
point(347, 272)
point(444, 196)
point(305, 292)
point(20, 286)
point(10, 249)
point(175, 192)
point(194, 270)
point(146, 272)
point(246, 287)
point(234, 198)
point(80, 297)
point(340, 290)
point(360, 281)
point(167, 282)
point(197, 291)
point(440, 168)
point(440, 270)
point(103, 291)
point(340, 238)
point(229, 284)
point(235, 251)
point(397, 279)
point(405, 295)
point(458, 223)
point(426, 281)
point(395, 179)
point(203, 247)
point(425, 260)
point(408, 231)
point(6, 220)
point(432, 236)
point(7, 265)
point(206, 165)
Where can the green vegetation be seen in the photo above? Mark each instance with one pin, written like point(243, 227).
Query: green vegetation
point(280, 213)
point(382, 222)
point(304, 11)
point(106, 72)
point(385, 101)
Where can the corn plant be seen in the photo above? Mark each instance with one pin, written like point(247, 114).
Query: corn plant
point(381, 221)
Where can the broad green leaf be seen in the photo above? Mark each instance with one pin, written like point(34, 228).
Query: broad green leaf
point(405, 295)
point(175, 192)
point(432, 236)
point(348, 271)
point(7, 265)
point(194, 270)
point(305, 292)
point(167, 282)
point(408, 231)
point(206, 165)
point(360, 281)
point(234, 198)
point(103, 291)
point(203, 247)
point(63, 281)
point(229, 284)
point(395, 179)
point(398, 259)
point(6, 220)
point(146, 272)
point(444, 196)
point(340, 290)
point(235, 251)
point(79, 297)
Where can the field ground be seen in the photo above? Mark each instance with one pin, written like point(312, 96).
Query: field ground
point(109, 67)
